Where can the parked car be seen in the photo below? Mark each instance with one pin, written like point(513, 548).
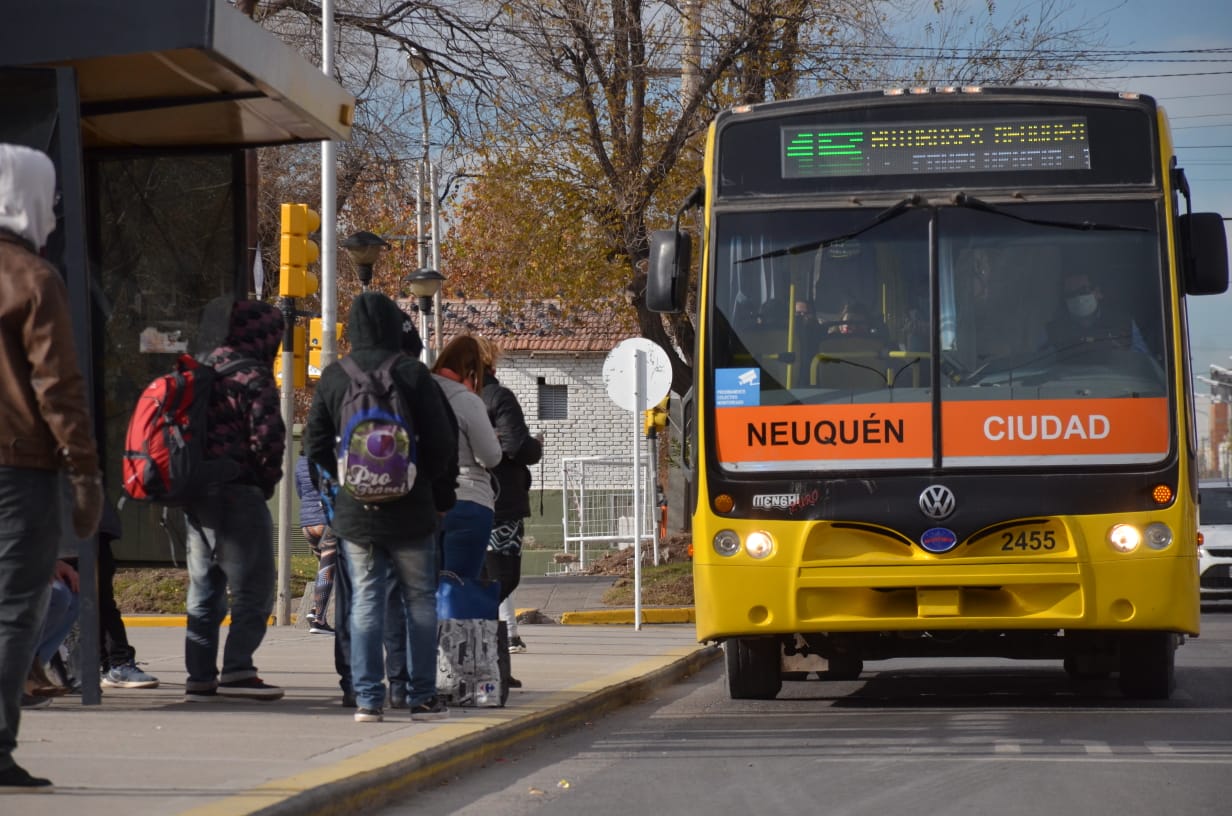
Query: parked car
point(1215, 538)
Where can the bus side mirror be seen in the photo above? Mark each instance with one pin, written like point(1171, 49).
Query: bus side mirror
point(1204, 254)
point(667, 272)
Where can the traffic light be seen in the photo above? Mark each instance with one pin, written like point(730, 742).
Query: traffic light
point(298, 251)
point(655, 419)
point(299, 365)
point(315, 327)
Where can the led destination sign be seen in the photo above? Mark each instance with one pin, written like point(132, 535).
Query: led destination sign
point(974, 146)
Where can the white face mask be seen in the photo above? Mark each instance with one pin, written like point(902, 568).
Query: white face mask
point(1082, 305)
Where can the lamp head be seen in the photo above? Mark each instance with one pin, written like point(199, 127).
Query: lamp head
point(415, 60)
point(424, 284)
point(364, 248)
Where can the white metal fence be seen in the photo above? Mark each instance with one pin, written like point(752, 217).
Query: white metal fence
point(598, 508)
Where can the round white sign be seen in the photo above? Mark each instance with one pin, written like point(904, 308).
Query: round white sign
point(620, 372)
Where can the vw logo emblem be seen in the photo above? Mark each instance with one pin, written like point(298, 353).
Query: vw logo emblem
point(937, 501)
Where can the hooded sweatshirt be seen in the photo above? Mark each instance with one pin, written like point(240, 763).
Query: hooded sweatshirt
point(375, 332)
point(43, 405)
point(27, 194)
point(245, 422)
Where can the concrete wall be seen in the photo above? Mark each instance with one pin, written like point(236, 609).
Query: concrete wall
point(595, 425)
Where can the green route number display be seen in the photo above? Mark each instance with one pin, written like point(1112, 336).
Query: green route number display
point(987, 145)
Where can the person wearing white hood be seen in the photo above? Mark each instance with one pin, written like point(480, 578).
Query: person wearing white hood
point(45, 427)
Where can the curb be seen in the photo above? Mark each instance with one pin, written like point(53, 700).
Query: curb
point(377, 787)
point(675, 614)
point(623, 616)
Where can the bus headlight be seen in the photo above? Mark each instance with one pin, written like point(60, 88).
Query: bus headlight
point(1124, 538)
point(1158, 535)
point(726, 542)
point(759, 544)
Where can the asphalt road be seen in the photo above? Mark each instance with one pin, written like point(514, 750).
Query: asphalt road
point(911, 736)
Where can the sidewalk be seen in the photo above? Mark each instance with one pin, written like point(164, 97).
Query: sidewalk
point(148, 752)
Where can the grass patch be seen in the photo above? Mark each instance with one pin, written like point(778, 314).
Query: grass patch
point(164, 590)
point(662, 585)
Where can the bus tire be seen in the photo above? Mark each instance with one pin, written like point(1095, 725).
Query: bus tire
point(753, 668)
point(1148, 665)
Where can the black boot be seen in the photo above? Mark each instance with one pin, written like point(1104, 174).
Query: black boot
point(502, 660)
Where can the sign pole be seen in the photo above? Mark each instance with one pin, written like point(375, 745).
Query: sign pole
point(282, 609)
point(639, 407)
point(637, 373)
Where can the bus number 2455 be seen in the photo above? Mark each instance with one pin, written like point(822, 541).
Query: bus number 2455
point(1028, 540)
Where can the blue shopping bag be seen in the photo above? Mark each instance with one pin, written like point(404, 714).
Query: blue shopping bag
point(468, 649)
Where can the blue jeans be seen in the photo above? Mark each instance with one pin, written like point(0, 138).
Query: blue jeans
point(28, 536)
point(395, 639)
point(230, 544)
point(61, 614)
point(414, 565)
point(464, 538)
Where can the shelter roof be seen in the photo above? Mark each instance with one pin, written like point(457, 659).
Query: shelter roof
point(188, 73)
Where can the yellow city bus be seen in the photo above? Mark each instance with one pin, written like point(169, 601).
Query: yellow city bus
point(942, 402)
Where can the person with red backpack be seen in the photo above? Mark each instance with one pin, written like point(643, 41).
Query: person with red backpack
point(230, 530)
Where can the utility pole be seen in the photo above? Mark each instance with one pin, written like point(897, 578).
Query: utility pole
point(329, 215)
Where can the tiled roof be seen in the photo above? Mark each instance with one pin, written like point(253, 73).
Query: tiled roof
point(535, 325)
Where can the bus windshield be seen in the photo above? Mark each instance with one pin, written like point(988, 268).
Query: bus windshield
point(1038, 342)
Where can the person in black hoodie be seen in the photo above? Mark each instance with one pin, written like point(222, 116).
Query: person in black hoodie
point(398, 533)
point(519, 450)
point(230, 531)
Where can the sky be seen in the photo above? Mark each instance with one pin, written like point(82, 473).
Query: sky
point(1200, 111)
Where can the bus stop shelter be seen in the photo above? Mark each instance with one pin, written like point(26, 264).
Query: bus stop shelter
point(149, 110)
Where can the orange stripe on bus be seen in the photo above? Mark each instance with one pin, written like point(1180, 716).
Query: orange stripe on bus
point(786, 433)
point(1000, 428)
point(1079, 427)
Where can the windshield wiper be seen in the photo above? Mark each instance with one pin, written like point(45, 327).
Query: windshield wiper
point(885, 215)
point(973, 203)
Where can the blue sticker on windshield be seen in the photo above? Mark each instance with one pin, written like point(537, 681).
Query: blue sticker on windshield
point(737, 387)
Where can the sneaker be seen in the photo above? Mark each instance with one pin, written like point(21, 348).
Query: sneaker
point(348, 700)
point(201, 696)
point(29, 701)
point(39, 684)
point(516, 645)
point(369, 715)
point(513, 682)
point(128, 676)
point(60, 674)
point(320, 627)
point(430, 709)
point(20, 781)
point(252, 688)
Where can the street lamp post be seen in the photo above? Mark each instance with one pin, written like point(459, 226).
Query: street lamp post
point(364, 248)
point(420, 66)
point(427, 192)
point(424, 284)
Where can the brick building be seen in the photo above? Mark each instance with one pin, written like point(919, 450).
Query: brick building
point(553, 361)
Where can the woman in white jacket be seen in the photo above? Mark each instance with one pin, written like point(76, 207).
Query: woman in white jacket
point(466, 527)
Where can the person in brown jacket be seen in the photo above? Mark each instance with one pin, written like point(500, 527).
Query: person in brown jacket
point(45, 426)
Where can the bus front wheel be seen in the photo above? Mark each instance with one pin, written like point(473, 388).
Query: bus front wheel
point(1148, 665)
point(753, 668)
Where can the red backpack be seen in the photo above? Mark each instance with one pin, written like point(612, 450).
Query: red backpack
point(164, 449)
